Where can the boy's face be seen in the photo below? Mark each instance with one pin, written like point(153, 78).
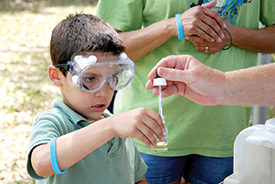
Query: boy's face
point(90, 105)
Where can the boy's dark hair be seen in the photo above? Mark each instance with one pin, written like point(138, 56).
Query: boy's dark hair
point(82, 33)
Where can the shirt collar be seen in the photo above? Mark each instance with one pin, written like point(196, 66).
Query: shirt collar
point(76, 118)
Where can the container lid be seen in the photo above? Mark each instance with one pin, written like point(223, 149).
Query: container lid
point(270, 125)
point(160, 82)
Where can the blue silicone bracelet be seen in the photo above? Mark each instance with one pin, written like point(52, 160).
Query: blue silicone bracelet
point(54, 158)
point(180, 28)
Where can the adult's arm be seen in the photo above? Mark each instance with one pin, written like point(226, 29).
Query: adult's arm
point(190, 78)
point(199, 20)
point(257, 40)
point(252, 86)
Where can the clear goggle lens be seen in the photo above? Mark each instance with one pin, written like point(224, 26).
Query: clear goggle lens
point(90, 76)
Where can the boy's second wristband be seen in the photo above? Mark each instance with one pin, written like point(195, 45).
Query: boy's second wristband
point(180, 28)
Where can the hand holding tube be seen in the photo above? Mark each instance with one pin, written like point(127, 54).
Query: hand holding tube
point(188, 77)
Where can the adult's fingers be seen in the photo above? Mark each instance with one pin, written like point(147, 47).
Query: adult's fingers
point(173, 90)
point(211, 28)
point(149, 84)
point(173, 74)
point(196, 39)
point(210, 4)
point(214, 14)
point(215, 23)
point(168, 62)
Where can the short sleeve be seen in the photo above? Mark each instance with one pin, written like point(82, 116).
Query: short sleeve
point(123, 15)
point(44, 129)
point(267, 12)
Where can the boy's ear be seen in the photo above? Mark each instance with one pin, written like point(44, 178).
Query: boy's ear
point(55, 75)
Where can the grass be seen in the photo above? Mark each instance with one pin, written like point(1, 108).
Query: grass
point(25, 88)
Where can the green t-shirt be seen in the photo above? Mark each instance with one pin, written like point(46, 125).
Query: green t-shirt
point(117, 161)
point(193, 128)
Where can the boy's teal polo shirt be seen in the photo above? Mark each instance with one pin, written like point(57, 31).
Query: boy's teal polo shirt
point(117, 161)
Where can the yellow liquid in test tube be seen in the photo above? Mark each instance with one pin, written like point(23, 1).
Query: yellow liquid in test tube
point(161, 146)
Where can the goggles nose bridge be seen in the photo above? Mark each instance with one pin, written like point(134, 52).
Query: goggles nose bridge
point(110, 79)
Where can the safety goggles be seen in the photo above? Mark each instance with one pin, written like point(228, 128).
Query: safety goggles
point(90, 75)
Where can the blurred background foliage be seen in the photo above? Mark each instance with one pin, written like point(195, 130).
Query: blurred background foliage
point(36, 5)
point(25, 30)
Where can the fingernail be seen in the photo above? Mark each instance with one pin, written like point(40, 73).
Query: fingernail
point(162, 72)
point(222, 36)
point(158, 71)
point(219, 40)
point(212, 40)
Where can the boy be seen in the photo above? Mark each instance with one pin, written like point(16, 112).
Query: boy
point(78, 141)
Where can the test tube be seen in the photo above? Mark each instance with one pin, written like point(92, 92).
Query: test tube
point(162, 146)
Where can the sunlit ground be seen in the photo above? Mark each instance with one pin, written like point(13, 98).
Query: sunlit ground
point(24, 86)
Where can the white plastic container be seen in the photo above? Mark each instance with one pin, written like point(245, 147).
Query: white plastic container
point(254, 155)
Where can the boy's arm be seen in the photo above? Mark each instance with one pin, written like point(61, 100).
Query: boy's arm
point(142, 181)
point(139, 123)
point(71, 148)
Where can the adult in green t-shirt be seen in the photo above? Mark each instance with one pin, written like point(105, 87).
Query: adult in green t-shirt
point(200, 138)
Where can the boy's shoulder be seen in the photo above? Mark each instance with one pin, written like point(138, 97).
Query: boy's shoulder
point(50, 113)
point(59, 109)
point(59, 114)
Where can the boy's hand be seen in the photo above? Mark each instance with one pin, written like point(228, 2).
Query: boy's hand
point(140, 123)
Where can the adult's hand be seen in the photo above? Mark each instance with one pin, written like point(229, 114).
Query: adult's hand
point(256, 40)
point(205, 46)
point(203, 22)
point(188, 77)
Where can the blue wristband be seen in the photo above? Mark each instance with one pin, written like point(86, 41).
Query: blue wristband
point(54, 158)
point(180, 28)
